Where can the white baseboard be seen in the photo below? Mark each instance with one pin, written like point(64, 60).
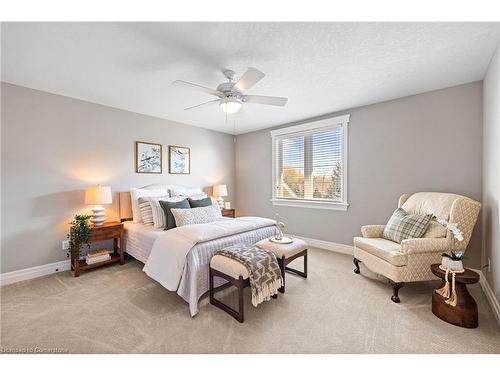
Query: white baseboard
point(490, 295)
point(33, 272)
point(326, 245)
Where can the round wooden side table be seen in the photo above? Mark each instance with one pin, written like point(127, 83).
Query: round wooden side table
point(464, 314)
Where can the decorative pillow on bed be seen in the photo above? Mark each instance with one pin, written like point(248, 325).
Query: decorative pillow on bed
point(146, 211)
point(167, 206)
point(199, 215)
point(159, 218)
point(135, 194)
point(403, 225)
point(200, 202)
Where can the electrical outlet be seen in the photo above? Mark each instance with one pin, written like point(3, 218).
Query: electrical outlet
point(65, 245)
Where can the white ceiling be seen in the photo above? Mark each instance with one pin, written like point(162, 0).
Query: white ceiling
point(320, 67)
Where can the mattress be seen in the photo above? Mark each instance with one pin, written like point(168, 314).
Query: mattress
point(139, 239)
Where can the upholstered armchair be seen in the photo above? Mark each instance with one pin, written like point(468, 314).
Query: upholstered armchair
point(410, 261)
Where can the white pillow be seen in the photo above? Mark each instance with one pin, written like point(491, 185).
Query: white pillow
point(159, 219)
point(199, 215)
point(135, 194)
point(181, 191)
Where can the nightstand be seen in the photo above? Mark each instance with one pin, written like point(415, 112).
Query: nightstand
point(228, 213)
point(109, 230)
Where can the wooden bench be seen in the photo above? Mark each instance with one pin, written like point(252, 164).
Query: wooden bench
point(286, 253)
point(237, 275)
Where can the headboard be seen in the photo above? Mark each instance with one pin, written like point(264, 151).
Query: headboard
point(126, 200)
point(125, 206)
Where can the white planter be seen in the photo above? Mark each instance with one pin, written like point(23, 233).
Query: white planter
point(453, 265)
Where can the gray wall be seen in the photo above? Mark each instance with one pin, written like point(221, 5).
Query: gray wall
point(491, 173)
point(54, 146)
point(426, 142)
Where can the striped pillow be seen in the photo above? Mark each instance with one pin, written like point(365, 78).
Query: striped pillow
point(159, 219)
point(403, 225)
point(146, 211)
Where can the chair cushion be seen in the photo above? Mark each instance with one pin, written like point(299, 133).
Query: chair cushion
point(402, 226)
point(281, 250)
point(229, 266)
point(438, 204)
point(380, 247)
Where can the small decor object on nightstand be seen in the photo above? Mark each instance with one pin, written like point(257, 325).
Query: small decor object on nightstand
point(220, 191)
point(227, 205)
point(79, 235)
point(98, 195)
point(97, 256)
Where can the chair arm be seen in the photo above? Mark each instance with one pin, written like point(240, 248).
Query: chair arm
point(372, 231)
point(425, 245)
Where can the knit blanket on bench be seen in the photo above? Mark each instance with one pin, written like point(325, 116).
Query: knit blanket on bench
point(263, 270)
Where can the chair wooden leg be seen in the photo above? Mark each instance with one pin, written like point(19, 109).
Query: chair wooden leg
point(356, 263)
point(395, 291)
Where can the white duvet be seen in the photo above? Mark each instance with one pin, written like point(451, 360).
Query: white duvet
point(168, 255)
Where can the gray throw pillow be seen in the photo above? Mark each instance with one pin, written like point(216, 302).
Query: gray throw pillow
point(167, 206)
point(403, 225)
point(194, 203)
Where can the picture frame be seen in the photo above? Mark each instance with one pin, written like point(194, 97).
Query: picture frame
point(179, 160)
point(148, 157)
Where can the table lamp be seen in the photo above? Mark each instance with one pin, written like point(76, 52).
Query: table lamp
point(97, 195)
point(220, 191)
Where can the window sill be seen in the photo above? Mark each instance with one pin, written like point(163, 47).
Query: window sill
point(310, 204)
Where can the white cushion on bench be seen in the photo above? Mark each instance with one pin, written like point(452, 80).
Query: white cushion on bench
point(286, 250)
point(229, 267)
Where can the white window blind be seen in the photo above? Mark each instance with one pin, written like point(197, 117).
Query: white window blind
point(309, 163)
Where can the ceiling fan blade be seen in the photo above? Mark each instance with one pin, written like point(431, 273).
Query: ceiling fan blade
point(202, 104)
point(268, 100)
point(247, 80)
point(194, 86)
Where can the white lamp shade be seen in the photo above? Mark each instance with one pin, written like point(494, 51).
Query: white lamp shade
point(219, 191)
point(98, 195)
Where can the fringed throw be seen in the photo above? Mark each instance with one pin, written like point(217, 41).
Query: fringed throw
point(450, 295)
point(263, 270)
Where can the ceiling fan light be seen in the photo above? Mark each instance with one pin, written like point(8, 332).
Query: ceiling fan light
point(230, 105)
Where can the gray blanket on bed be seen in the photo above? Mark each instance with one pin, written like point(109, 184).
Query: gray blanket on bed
point(263, 270)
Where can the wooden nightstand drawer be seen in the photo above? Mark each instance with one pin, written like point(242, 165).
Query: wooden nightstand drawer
point(229, 213)
point(104, 233)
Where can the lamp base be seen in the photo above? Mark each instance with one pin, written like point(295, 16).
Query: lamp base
point(98, 215)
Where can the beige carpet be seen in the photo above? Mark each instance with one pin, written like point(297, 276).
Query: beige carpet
point(120, 310)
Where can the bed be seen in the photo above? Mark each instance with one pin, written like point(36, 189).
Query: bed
point(178, 258)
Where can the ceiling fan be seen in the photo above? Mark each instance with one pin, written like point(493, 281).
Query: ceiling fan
point(231, 94)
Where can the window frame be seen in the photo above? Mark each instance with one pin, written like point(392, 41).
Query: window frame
point(309, 127)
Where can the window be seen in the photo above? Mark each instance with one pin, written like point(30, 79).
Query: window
point(310, 164)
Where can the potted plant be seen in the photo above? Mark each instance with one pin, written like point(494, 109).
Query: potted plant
point(78, 236)
point(452, 261)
